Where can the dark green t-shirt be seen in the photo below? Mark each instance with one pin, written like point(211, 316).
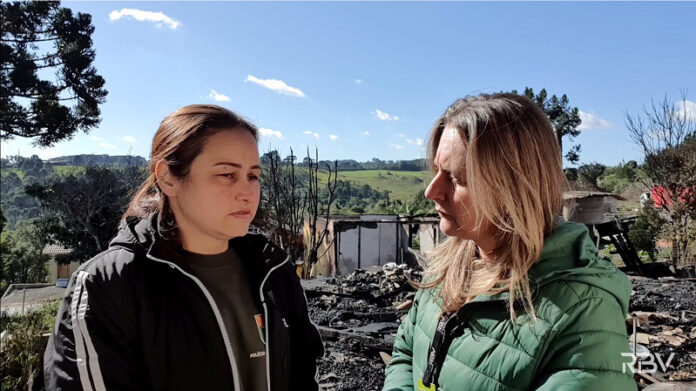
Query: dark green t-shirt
point(225, 276)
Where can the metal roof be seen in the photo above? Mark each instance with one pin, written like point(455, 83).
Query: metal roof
point(56, 249)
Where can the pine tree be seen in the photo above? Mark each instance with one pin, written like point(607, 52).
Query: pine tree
point(41, 39)
point(565, 119)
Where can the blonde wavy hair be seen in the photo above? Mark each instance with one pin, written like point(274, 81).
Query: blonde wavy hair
point(515, 178)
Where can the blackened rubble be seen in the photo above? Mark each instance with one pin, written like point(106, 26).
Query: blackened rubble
point(358, 318)
point(665, 314)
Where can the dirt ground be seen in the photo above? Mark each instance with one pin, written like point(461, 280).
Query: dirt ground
point(357, 318)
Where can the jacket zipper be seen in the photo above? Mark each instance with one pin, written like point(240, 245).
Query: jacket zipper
point(268, 323)
point(218, 317)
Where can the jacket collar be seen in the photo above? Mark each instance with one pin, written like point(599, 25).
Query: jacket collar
point(144, 236)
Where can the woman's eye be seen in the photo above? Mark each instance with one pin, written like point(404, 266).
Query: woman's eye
point(229, 175)
point(450, 177)
point(253, 178)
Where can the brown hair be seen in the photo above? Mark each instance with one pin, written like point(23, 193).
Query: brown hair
point(514, 174)
point(179, 140)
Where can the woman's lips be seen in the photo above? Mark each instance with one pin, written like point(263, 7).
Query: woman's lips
point(242, 214)
point(444, 215)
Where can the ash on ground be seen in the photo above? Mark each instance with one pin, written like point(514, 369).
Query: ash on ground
point(664, 310)
point(358, 316)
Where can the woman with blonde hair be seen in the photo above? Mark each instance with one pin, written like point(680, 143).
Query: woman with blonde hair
point(516, 298)
point(184, 298)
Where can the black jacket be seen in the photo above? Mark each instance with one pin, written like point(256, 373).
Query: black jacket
point(133, 319)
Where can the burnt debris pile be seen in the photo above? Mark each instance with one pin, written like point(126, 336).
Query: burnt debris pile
point(662, 328)
point(359, 314)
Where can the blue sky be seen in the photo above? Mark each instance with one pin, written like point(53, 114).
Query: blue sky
point(364, 80)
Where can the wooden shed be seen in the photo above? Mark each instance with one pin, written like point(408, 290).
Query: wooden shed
point(590, 207)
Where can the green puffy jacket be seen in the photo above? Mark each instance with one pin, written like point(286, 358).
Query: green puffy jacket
point(575, 344)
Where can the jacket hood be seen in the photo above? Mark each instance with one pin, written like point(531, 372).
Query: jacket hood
point(570, 255)
point(136, 234)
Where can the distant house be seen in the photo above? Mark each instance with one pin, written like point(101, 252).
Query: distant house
point(60, 268)
point(662, 197)
point(362, 241)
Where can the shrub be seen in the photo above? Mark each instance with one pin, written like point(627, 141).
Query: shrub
point(644, 232)
point(21, 366)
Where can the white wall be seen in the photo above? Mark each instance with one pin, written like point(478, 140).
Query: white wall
point(377, 244)
point(428, 235)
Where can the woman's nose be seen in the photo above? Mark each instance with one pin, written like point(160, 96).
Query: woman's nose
point(434, 189)
point(247, 192)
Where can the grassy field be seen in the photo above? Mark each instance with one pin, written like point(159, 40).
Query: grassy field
point(67, 170)
point(402, 184)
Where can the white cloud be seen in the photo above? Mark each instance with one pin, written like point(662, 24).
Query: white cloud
point(129, 139)
point(395, 146)
point(366, 133)
point(591, 121)
point(95, 138)
point(417, 141)
point(214, 95)
point(385, 116)
point(687, 108)
point(401, 135)
point(157, 18)
point(270, 133)
point(359, 81)
point(278, 86)
point(315, 134)
point(333, 137)
point(107, 145)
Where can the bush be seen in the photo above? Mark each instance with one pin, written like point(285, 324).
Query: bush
point(21, 366)
point(614, 183)
point(588, 175)
point(644, 232)
point(617, 179)
point(571, 174)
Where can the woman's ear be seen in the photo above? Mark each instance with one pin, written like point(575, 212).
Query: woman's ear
point(165, 180)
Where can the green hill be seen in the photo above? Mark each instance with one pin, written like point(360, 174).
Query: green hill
point(402, 184)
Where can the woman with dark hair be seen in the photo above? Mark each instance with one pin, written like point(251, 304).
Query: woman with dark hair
point(516, 298)
point(184, 298)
